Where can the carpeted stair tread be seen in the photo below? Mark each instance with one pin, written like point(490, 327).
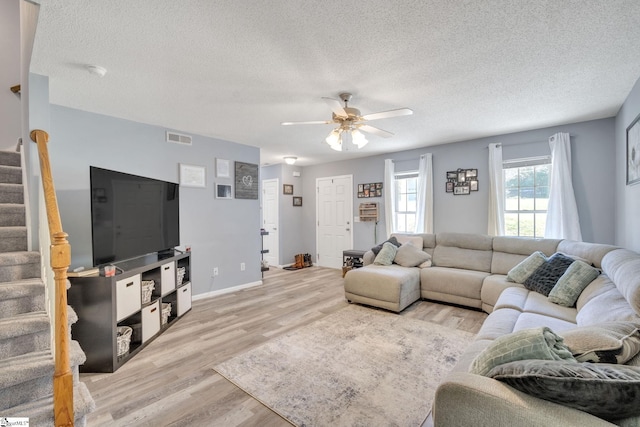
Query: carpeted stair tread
point(18, 258)
point(10, 174)
point(12, 214)
point(40, 411)
point(11, 193)
point(13, 239)
point(23, 324)
point(10, 158)
point(21, 296)
point(19, 369)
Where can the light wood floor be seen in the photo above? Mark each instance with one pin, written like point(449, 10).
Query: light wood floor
point(171, 381)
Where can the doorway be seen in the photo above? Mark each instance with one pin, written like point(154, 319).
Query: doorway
point(334, 217)
point(270, 220)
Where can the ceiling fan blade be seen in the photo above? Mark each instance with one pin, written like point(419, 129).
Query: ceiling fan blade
point(316, 122)
point(387, 114)
point(336, 107)
point(375, 131)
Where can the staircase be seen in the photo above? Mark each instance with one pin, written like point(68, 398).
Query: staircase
point(26, 358)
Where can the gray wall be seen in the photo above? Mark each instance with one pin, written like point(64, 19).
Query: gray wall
point(222, 233)
point(593, 172)
point(627, 197)
point(291, 217)
point(10, 114)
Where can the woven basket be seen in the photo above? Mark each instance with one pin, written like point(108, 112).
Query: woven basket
point(181, 272)
point(147, 289)
point(124, 339)
point(166, 312)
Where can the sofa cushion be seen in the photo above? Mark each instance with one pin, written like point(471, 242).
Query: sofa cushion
point(592, 252)
point(509, 251)
point(535, 343)
point(525, 268)
point(607, 391)
point(409, 255)
point(545, 277)
point(623, 267)
point(414, 240)
point(607, 342)
point(452, 285)
point(492, 287)
point(464, 251)
point(572, 283)
point(391, 240)
point(392, 287)
point(601, 301)
point(533, 320)
point(386, 254)
point(527, 301)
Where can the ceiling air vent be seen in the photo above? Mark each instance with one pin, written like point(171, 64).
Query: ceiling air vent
point(178, 138)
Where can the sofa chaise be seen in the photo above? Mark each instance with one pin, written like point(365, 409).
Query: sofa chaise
point(471, 270)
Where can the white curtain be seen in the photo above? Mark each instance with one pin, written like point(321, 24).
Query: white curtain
point(389, 196)
point(562, 212)
point(424, 208)
point(496, 191)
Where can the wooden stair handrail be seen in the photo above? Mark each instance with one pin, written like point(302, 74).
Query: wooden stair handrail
point(60, 262)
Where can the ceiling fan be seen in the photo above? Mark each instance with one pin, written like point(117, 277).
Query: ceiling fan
point(350, 121)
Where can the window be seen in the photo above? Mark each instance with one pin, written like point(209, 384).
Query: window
point(406, 201)
point(526, 188)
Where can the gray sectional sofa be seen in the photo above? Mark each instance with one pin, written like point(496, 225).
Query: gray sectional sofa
point(471, 270)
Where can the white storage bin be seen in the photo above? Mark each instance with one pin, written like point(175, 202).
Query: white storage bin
point(184, 299)
point(150, 320)
point(128, 296)
point(168, 277)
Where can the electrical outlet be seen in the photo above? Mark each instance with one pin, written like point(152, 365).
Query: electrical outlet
point(242, 266)
point(215, 271)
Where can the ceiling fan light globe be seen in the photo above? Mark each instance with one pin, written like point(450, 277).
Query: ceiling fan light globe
point(358, 138)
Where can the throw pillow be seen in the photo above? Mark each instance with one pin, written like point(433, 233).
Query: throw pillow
point(572, 283)
point(408, 255)
point(608, 342)
point(604, 390)
point(526, 267)
point(425, 264)
point(386, 254)
point(392, 240)
point(534, 343)
point(545, 277)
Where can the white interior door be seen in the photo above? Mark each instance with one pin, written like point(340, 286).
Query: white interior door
point(334, 217)
point(270, 219)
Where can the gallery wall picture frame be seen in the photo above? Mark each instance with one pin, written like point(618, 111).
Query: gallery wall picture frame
point(473, 185)
point(371, 189)
point(222, 168)
point(192, 176)
point(462, 181)
point(287, 188)
point(223, 191)
point(461, 189)
point(246, 180)
point(449, 188)
point(297, 201)
point(633, 152)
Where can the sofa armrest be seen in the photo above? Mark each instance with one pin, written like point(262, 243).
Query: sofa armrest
point(465, 399)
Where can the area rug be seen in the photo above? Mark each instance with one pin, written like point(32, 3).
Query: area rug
point(356, 367)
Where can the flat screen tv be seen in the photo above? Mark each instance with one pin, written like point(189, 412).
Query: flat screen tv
point(132, 215)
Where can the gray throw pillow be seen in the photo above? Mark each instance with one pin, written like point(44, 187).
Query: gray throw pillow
point(607, 342)
point(386, 254)
point(392, 240)
point(408, 255)
point(571, 284)
point(604, 390)
point(545, 277)
point(526, 267)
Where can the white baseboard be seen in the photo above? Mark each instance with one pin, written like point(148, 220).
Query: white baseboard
point(226, 290)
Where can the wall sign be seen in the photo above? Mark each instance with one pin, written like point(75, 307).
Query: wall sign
point(246, 181)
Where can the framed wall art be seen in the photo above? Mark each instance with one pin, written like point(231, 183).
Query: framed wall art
point(192, 176)
point(462, 181)
point(246, 180)
point(372, 189)
point(287, 189)
point(297, 201)
point(633, 152)
point(223, 191)
point(222, 168)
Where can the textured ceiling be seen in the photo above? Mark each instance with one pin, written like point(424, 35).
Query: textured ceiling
point(235, 69)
